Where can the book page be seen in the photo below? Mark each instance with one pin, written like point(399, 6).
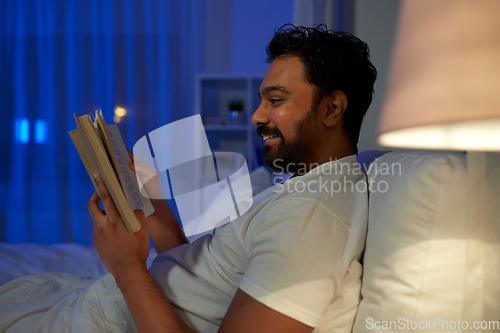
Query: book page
point(101, 128)
point(95, 148)
point(127, 176)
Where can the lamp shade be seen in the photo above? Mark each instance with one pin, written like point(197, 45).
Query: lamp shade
point(444, 84)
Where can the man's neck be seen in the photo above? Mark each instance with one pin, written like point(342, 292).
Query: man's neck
point(326, 156)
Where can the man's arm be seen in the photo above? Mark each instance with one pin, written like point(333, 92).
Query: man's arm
point(150, 308)
point(153, 313)
point(247, 315)
point(164, 229)
point(124, 255)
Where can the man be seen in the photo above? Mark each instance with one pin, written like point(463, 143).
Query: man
point(289, 264)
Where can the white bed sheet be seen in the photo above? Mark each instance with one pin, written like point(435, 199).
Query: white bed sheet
point(59, 288)
point(18, 260)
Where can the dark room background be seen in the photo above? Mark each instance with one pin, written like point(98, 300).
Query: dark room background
point(60, 57)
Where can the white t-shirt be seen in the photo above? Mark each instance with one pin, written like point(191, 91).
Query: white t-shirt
point(296, 250)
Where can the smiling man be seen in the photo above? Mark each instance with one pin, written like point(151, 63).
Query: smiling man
point(314, 97)
point(287, 100)
point(288, 119)
point(291, 263)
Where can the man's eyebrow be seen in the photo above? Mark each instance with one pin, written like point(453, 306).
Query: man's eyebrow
point(268, 89)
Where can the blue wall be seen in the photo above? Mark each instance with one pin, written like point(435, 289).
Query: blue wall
point(253, 26)
point(59, 57)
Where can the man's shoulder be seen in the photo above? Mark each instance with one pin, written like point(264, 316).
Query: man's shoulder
point(333, 191)
point(323, 184)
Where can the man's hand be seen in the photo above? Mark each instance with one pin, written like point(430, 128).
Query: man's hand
point(120, 251)
point(149, 180)
point(166, 232)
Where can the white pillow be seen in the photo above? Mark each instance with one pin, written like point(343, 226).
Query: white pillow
point(416, 250)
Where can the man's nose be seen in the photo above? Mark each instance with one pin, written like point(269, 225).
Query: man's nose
point(260, 116)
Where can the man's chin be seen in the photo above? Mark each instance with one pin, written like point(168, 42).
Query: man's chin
point(278, 164)
point(283, 158)
point(271, 160)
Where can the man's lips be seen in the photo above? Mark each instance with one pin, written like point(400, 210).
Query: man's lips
point(270, 139)
point(268, 133)
point(268, 136)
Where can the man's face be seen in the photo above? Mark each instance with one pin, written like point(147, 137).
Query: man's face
point(286, 116)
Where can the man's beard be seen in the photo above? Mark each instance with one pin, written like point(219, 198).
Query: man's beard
point(291, 157)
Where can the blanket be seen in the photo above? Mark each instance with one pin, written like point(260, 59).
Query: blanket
point(62, 302)
point(18, 260)
point(59, 288)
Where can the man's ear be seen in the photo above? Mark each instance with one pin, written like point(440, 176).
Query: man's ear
point(336, 103)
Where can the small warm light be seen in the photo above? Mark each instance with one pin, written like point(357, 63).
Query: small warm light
point(117, 119)
point(120, 112)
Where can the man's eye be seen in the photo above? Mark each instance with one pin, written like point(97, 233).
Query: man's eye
point(274, 101)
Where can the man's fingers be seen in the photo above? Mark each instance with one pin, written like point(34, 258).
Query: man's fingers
point(94, 209)
point(142, 219)
point(93, 206)
point(131, 155)
point(106, 199)
point(147, 177)
point(134, 160)
point(136, 163)
point(131, 164)
point(140, 215)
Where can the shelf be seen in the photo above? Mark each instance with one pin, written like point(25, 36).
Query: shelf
point(214, 92)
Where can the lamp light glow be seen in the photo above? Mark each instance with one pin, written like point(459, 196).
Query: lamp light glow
point(483, 135)
point(445, 74)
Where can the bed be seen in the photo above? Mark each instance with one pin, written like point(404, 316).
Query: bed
point(53, 284)
point(417, 261)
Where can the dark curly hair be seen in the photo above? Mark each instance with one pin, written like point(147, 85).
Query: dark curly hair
point(333, 61)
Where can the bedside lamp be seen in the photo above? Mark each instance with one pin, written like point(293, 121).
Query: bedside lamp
point(444, 93)
point(444, 86)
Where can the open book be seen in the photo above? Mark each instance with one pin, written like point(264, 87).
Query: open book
point(102, 150)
